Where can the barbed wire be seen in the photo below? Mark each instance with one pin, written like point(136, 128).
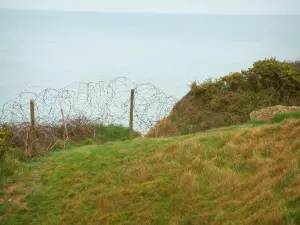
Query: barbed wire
point(105, 102)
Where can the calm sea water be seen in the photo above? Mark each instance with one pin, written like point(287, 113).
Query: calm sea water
point(40, 49)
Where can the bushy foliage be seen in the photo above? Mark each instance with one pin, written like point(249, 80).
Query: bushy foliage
point(230, 99)
point(5, 135)
point(10, 158)
point(273, 74)
point(283, 77)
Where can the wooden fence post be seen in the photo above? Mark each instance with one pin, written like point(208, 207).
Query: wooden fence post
point(131, 115)
point(33, 129)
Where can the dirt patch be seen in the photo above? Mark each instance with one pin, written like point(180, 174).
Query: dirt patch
point(13, 187)
point(16, 199)
point(1, 199)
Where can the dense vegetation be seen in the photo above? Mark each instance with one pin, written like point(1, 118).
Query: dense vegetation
point(5, 135)
point(246, 174)
point(230, 99)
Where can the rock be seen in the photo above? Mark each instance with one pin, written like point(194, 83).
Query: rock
point(266, 114)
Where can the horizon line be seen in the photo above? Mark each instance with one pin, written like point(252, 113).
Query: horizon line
point(146, 12)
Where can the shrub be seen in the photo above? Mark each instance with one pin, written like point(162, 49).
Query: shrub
point(5, 135)
point(230, 99)
point(271, 73)
point(235, 81)
point(10, 163)
point(283, 77)
point(209, 86)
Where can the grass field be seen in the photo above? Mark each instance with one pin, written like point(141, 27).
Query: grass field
point(246, 174)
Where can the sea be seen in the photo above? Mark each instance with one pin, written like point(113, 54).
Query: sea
point(52, 49)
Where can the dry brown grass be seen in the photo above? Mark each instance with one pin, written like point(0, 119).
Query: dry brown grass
point(187, 182)
point(18, 198)
point(268, 155)
point(140, 173)
point(252, 199)
point(175, 220)
point(49, 135)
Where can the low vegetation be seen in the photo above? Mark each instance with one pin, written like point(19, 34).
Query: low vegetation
point(290, 115)
point(245, 174)
point(5, 135)
point(230, 99)
point(50, 137)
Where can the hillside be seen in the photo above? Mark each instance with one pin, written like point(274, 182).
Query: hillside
point(230, 99)
point(237, 175)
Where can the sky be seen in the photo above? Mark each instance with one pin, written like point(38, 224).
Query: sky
point(162, 6)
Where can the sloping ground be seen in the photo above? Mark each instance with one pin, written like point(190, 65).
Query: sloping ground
point(236, 175)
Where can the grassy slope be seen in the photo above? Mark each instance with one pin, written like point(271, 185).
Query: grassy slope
point(243, 175)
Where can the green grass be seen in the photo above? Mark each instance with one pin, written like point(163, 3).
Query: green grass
point(255, 122)
point(216, 177)
point(277, 118)
point(282, 116)
point(114, 133)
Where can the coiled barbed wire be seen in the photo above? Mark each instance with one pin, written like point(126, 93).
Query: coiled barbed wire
point(105, 102)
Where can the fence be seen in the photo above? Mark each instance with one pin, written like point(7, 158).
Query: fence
point(58, 113)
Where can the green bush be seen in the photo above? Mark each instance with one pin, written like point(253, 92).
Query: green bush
point(5, 135)
point(10, 163)
point(230, 99)
point(271, 73)
point(10, 158)
point(283, 77)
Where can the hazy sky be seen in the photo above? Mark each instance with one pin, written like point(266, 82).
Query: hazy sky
point(161, 6)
